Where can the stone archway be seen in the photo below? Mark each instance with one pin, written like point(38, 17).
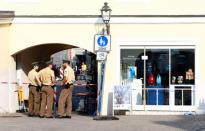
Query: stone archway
point(40, 53)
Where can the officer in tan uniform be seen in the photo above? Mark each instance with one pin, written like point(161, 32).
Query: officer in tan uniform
point(47, 78)
point(66, 93)
point(34, 91)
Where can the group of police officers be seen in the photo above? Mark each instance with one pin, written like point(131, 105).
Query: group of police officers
point(43, 82)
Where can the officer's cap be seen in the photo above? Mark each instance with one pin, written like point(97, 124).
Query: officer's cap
point(35, 64)
point(49, 63)
point(66, 61)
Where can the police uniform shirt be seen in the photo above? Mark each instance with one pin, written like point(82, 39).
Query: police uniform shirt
point(68, 72)
point(32, 77)
point(46, 75)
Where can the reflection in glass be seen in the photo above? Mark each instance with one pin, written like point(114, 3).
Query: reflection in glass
point(132, 72)
point(132, 66)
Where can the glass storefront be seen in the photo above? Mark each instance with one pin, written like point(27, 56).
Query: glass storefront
point(160, 77)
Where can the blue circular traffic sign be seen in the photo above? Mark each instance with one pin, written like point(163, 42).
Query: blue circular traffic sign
point(102, 41)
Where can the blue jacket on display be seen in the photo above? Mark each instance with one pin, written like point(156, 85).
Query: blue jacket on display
point(159, 80)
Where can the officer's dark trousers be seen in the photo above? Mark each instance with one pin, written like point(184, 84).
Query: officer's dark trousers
point(34, 101)
point(47, 100)
point(65, 96)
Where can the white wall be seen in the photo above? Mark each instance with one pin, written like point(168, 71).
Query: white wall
point(8, 98)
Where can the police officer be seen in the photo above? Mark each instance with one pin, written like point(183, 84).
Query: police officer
point(34, 88)
point(66, 93)
point(48, 80)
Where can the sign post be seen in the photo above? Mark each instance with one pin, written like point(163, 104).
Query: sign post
point(102, 47)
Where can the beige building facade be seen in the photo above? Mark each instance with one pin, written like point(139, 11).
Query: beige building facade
point(165, 31)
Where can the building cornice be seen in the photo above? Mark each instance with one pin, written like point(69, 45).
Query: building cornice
point(99, 16)
point(10, 17)
point(115, 19)
point(6, 17)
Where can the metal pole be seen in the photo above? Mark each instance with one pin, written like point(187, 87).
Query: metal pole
point(108, 28)
point(101, 89)
point(144, 78)
point(157, 96)
point(102, 82)
point(182, 97)
point(98, 90)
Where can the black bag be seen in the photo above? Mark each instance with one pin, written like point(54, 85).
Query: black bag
point(29, 85)
point(67, 86)
point(38, 88)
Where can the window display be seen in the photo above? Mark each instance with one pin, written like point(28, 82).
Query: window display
point(132, 72)
point(159, 80)
point(157, 74)
point(182, 66)
point(166, 75)
point(190, 76)
point(151, 79)
point(131, 64)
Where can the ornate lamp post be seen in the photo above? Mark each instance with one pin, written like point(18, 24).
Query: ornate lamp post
point(105, 14)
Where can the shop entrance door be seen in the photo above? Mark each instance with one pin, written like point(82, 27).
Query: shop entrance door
point(156, 91)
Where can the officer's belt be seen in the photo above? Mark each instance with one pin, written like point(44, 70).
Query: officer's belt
point(67, 86)
point(31, 85)
point(47, 85)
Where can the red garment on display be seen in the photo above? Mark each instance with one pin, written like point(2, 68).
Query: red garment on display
point(151, 79)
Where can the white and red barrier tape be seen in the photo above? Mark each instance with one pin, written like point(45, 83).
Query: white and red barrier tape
point(15, 83)
point(84, 84)
point(54, 99)
point(26, 83)
point(61, 73)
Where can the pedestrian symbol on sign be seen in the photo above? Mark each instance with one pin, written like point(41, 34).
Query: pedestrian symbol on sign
point(102, 41)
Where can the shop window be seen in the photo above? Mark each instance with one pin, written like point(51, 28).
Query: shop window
point(132, 66)
point(132, 73)
point(183, 95)
point(183, 66)
point(159, 76)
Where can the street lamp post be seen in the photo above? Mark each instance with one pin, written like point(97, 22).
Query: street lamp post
point(105, 14)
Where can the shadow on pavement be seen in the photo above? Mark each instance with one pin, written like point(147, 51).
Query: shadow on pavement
point(191, 123)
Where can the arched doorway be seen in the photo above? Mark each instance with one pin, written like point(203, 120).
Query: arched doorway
point(43, 53)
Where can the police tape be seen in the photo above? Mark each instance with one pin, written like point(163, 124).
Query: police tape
point(14, 83)
point(84, 84)
point(26, 83)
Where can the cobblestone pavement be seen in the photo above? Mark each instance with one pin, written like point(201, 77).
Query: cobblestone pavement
point(86, 123)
